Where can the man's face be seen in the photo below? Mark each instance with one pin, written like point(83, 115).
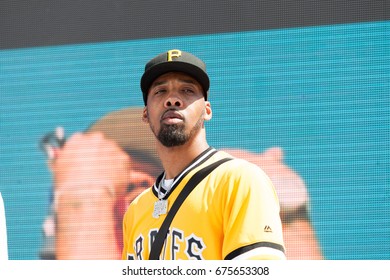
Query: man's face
point(176, 108)
point(142, 176)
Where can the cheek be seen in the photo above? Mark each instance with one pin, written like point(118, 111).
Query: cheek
point(153, 119)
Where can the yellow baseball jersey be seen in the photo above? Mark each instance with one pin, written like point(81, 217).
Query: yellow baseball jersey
point(233, 213)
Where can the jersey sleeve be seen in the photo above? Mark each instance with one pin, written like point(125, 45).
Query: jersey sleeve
point(252, 225)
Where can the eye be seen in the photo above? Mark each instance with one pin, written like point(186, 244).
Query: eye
point(141, 184)
point(144, 184)
point(130, 187)
point(188, 91)
point(159, 91)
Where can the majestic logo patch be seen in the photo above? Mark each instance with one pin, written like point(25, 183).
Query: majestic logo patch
point(267, 229)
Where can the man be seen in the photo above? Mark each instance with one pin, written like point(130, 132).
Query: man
point(96, 174)
point(233, 213)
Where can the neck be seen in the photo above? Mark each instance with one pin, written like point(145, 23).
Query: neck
point(176, 159)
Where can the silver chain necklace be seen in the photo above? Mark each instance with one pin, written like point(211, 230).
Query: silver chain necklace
point(161, 205)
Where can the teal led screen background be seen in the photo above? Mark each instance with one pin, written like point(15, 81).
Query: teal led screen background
point(321, 93)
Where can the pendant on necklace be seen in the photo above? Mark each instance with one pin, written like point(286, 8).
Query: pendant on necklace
point(160, 208)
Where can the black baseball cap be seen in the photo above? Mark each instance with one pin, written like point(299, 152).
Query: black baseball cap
point(174, 61)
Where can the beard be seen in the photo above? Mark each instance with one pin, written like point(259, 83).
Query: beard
point(175, 134)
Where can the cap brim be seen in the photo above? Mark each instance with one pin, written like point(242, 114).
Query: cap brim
point(173, 66)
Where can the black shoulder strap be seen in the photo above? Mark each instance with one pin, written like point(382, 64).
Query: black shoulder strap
point(191, 184)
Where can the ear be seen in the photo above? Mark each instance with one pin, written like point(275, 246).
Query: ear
point(145, 117)
point(208, 112)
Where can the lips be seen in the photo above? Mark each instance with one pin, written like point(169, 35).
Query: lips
point(171, 115)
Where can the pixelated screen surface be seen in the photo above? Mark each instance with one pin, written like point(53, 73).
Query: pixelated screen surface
point(319, 94)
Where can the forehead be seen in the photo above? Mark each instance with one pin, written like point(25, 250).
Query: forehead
point(175, 76)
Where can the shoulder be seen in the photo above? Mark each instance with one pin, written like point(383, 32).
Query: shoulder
point(245, 176)
point(140, 201)
point(144, 197)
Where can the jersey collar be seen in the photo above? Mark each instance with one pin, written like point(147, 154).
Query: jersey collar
point(200, 159)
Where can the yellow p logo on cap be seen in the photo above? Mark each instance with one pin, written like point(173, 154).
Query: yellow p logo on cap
point(173, 53)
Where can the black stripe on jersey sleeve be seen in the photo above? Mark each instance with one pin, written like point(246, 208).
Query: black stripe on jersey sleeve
point(248, 248)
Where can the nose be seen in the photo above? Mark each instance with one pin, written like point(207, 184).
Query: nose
point(173, 99)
